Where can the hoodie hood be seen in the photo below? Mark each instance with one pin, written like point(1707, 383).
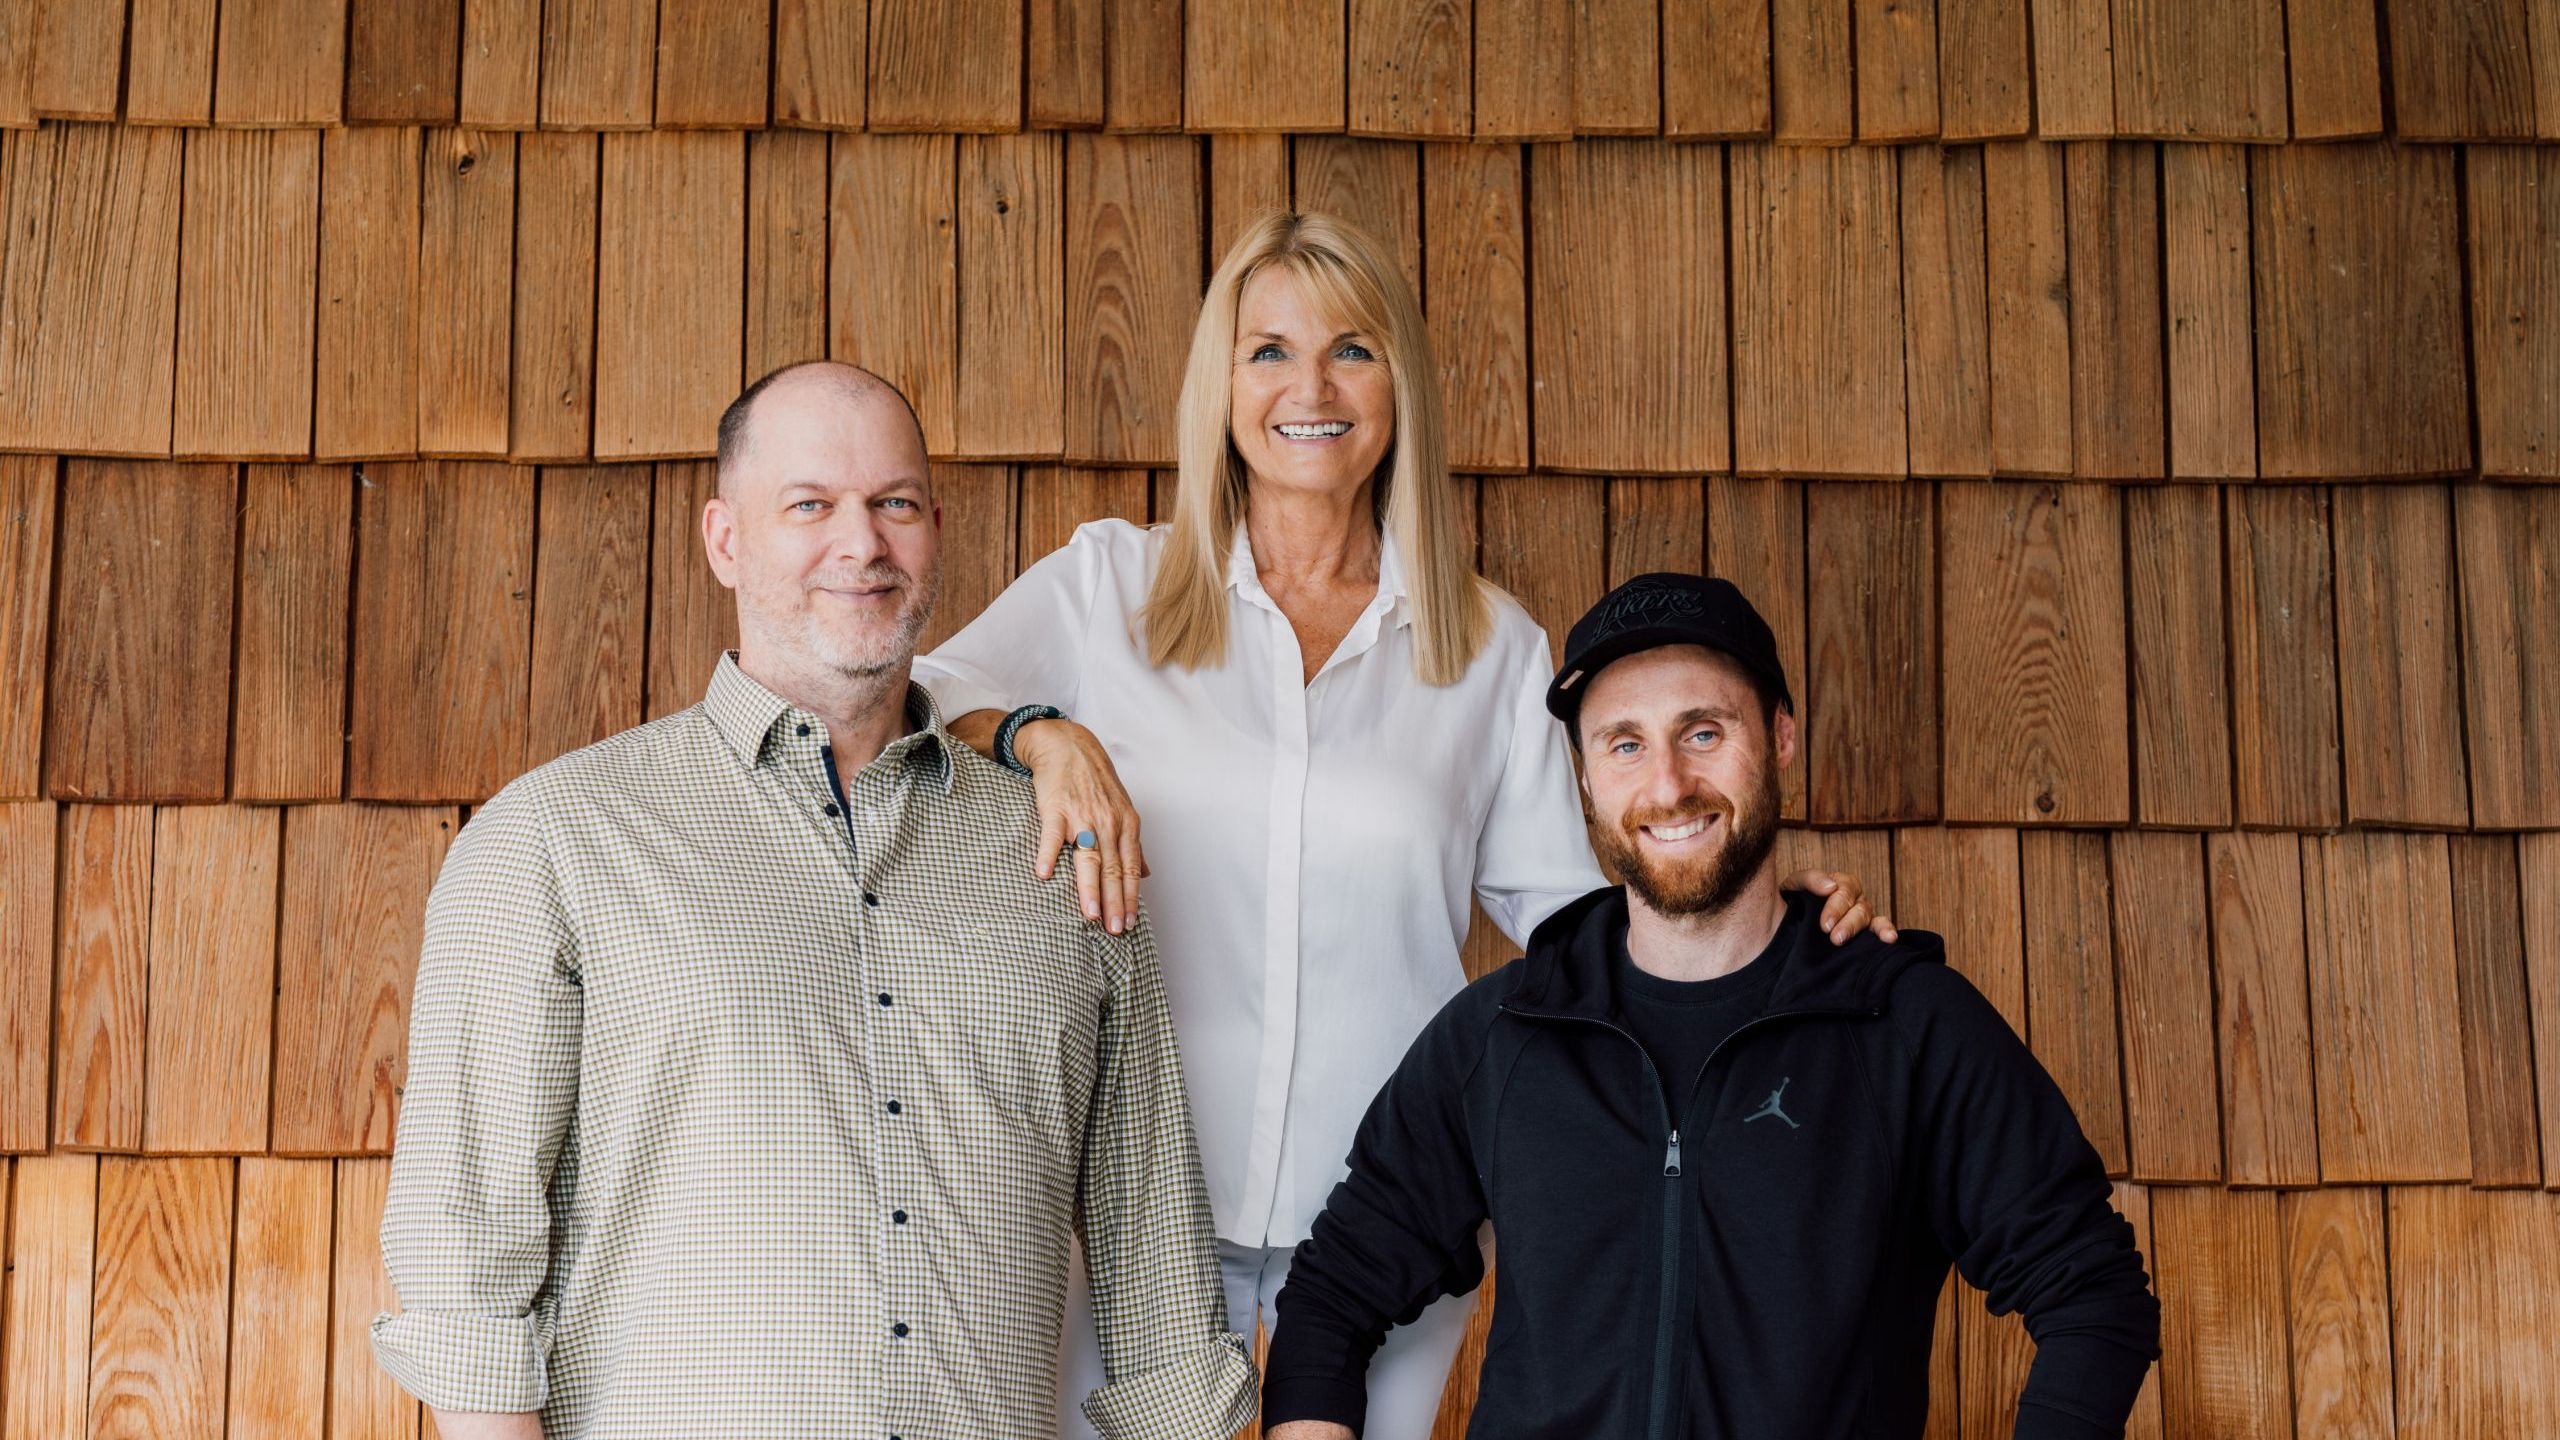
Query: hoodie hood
point(1567, 970)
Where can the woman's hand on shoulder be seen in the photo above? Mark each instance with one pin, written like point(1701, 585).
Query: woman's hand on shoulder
point(1077, 789)
point(1846, 911)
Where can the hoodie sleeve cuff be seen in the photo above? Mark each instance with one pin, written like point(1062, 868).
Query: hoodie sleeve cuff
point(2043, 1422)
point(1314, 1397)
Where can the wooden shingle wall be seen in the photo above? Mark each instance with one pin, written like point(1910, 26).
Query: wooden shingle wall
point(2140, 422)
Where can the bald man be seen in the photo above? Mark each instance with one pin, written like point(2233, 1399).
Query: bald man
point(754, 1081)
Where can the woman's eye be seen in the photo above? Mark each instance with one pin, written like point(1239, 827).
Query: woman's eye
point(1352, 350)
point(1267, 352)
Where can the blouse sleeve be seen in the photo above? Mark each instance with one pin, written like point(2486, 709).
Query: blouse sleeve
point(1534, 856)
point(1027, 646)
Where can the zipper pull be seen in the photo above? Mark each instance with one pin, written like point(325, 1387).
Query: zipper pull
point(1671, 1157)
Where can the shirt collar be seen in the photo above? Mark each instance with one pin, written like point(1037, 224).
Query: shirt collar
point(746, 714)
point(1245, 578)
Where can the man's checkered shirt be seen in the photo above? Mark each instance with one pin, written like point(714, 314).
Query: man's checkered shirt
point(723, 1121)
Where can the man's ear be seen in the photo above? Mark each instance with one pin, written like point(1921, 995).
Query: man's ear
point(720, 540)
point(1782, 735)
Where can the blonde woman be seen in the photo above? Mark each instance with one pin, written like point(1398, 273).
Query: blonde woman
point(1337, 735)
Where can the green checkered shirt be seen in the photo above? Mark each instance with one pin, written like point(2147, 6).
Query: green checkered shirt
point(729, 1115)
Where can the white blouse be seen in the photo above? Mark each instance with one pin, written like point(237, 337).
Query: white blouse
point(1313, 845)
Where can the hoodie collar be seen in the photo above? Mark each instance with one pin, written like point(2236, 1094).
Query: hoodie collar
point(1567, 973)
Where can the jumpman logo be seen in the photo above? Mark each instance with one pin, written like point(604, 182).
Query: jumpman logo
point(1770, 1107)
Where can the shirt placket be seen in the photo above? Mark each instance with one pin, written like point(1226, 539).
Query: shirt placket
point(875, 801)
point(1285, 832)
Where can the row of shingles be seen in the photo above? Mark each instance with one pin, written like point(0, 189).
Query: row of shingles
point(1425, 69)
point(191, 1296)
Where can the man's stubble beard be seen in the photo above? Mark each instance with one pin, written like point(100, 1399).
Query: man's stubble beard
point(1672, 889)
point(879, 666)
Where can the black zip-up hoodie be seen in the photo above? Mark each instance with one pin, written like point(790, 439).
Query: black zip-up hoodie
point(1709, 1275)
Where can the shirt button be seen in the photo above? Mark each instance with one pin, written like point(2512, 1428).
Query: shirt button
point(870, 899)
point(897, 1217)
point(884, 998)
point(893, 1107)
point(899, 1329)
point(832, 811)
point(804, 729)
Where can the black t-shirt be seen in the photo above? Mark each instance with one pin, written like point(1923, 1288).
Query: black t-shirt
point(1681, 1022)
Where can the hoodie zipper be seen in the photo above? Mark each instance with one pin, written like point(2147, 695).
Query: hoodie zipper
point(1658, 1412)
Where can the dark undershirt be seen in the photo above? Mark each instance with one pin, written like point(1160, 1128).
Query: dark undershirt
point(1681, 1022)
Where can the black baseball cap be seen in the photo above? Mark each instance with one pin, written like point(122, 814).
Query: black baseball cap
point(1666, 609)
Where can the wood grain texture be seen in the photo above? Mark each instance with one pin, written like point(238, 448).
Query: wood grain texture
point(2075, 70)
point(2396, 636)
point(1374, 184)
point(2509, 547)
point(345, 957)
point(2030, 285)
point(17, 62)
point(1897, 69)
point(1476, 300)
point(1617, 67)
point(2118, 413)
point(78, 61)
point(2338, 1313)
point(2359, 276)
point(364, 1401)
point(26, 613)
point(599, 58)
point(1524, 69)
point(669, 313)
point(1870, 684)
point(1985, 76)
point(2336, 60)
point(692, 618)
point(2461, 70)
point(159, 1355)
point(590, 606)
point(1012, 295)
point(1656, 525)
point(88, 298)
point(1756, 539)
point(2262, 1009)
point(1133, 282)
point(2286, 766)
point(1411, 68)
point(280, 1300)
point(101, 973)
point(2032, 586)
point(404, 61)
point(288, 710)
point(1065, 50)
point(1054, 500)
point(27, 883)
point(1540, 538)
point(443, 627)
point(2200, 69)
point(1965, 885)
point(712, 62)
point(2178, 657)
point(365, 401)
point(141, 684)
point(1629, 389)
point(2164, 987)
point(2221, 1261)
point(2497, 1010)
point(1809, 49)
point(978, 527)
point(213, 960)
point(245, 311)
point(466, 290)
point(2385, 1007)
point(53, 1238)
point(2514, 238)
point(2071, 980)
point(953, 65)
point(501, 64)
point(2538, 867)
point(1141, 66)
point(1293, 49)
point(2213, 416)
point(1817, 312)
point(280, 62)
point(1248, 178)
point(551, 389)
point(893, 277)
point(1716, 69)
point(821, 63)
point(2474, 1276)
point(787, 186)
point(1946, 310)
point(169, 67)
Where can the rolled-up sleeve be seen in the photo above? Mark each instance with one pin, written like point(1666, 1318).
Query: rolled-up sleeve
point(1174, 1369)
point(1534, 857)
point(492, 1087)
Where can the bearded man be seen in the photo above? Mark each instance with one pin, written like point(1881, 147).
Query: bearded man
point(755, 1087)
point(1727, 1165)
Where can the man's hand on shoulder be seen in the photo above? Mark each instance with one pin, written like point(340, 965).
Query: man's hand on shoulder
point(1311, 1430)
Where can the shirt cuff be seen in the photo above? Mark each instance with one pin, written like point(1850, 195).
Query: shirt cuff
point(1208, 1395)
point(1315, 1397)
point(479, 1364)
point(2043, 1422)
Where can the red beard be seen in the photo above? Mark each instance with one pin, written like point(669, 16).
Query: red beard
point(1703, 884)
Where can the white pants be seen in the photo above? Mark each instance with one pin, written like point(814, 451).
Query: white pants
point(1405, 1377)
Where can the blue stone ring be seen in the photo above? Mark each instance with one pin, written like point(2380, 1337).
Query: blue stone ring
point(1085, 840)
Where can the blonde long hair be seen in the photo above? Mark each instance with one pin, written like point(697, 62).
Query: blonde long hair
point(1351, 279)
